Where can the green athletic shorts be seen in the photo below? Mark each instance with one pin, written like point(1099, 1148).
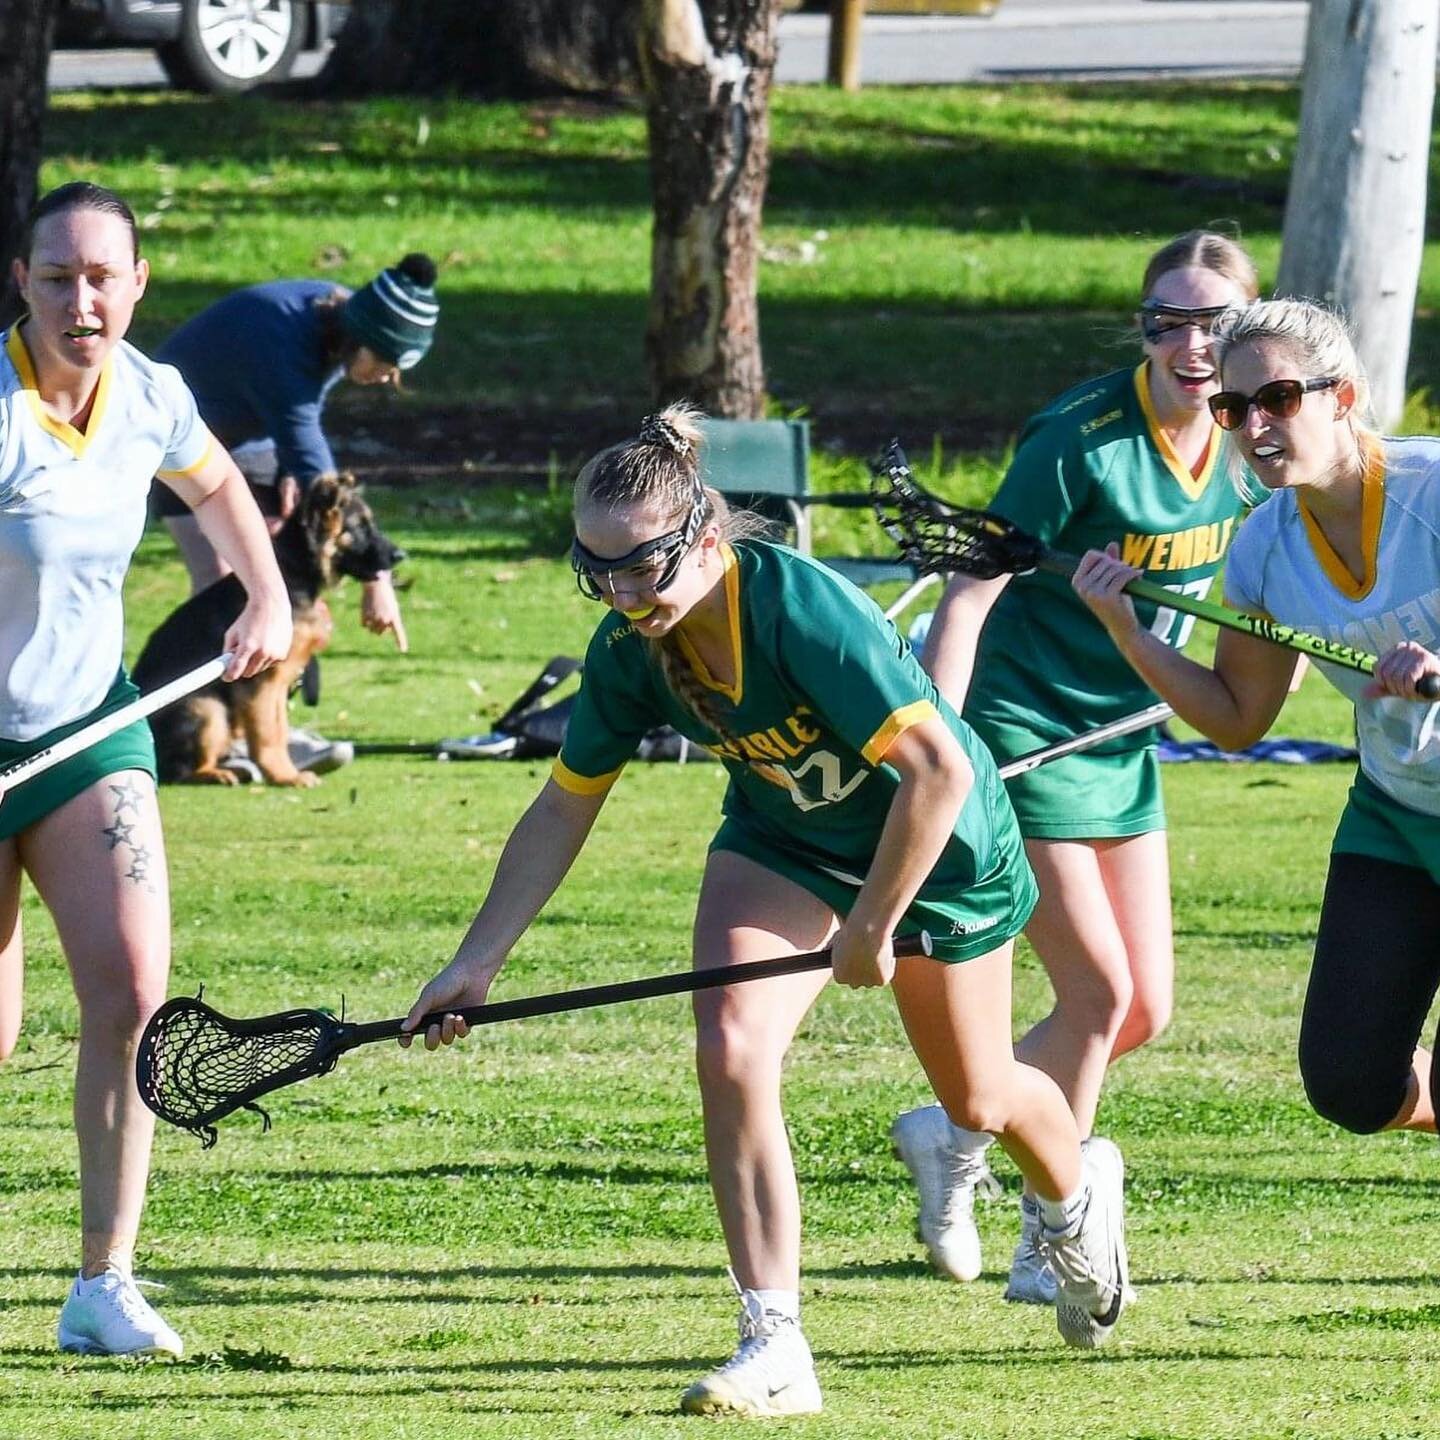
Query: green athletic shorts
point(1375, 825)
point(962, 923)
point(132, 748)
point(1097, 794)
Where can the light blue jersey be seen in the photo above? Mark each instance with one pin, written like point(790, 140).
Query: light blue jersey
point(1282, 566)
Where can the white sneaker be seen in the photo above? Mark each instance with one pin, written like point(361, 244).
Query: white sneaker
point(242, 767)
point(1090, 1262)
point(313, 752)
point(771, 1373)
point(1032, 1281)
point(947, 1178)
point(308, 750)
point(107, 1315)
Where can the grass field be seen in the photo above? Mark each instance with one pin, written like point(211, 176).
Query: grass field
point(515, 1238)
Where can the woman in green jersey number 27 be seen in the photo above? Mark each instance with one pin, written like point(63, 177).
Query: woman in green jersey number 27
point(859, 805)
point(1130, 457)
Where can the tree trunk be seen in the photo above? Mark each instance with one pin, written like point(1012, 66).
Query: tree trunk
point(1355, 216)
point(707, 70)
point(27, 28)
point(485, 47)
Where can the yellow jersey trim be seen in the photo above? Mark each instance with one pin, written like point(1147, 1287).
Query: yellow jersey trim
point(895, 726)
point(74, 439)
point(1193, 485)
point(732, 605)
point(194, 469)
point(567, 779)
point(1372, 509)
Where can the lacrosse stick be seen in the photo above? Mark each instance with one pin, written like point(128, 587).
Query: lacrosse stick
point(107, 725)
point(1126, 725)
point(934, 536)
point(196, 1065)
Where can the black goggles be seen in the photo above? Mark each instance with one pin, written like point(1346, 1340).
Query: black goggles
point(1279, 399)
point(652, 565)
point(1157, 320)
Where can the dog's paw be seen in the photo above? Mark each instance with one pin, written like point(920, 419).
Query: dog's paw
point(294, 779)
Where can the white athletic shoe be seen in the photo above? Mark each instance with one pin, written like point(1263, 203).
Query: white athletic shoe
point(1032, 1281)
point(313, 752)
point(1090, 1262)
point(947, 1178)
point(308, 750)
point(107, 1315)
point(771, 1373)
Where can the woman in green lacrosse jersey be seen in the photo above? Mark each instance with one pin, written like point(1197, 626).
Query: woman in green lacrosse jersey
point(859, 805)
point(1130, 457)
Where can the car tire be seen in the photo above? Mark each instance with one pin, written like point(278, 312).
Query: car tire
point(229, 46)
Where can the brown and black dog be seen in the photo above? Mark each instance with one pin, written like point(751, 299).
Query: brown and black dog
point(331, 532)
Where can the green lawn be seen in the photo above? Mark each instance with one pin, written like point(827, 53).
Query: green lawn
point(515, 1237)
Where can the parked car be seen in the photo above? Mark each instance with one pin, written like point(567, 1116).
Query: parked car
point(224, 46)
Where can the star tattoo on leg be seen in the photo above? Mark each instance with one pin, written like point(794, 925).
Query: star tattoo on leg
point(127, 797)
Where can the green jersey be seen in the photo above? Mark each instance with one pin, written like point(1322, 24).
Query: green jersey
point(1094, 467)
point(824, 686)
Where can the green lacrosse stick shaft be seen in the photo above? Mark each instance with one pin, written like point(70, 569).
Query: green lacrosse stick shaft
point(1057, 562)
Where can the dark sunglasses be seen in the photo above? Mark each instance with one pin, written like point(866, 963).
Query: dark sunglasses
point(1279, 399)
point(1157, 320)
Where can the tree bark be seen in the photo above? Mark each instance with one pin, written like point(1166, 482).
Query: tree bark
point(488, 48)
point(707, 71)
point(1355, 216)
point(27, 28)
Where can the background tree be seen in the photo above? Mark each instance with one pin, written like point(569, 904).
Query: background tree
point(27, 28)
point(1355, 216)
point(707, 71)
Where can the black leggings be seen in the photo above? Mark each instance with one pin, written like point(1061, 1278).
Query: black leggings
point(1376, 970)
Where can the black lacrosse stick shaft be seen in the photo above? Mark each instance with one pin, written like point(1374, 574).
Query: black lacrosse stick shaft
point(195, 1066)
point(939, 538)
point(592, 996)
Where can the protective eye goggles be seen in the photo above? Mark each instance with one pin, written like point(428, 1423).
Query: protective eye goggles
point(1279, 399)
point(1158, 320)
point(651, 565)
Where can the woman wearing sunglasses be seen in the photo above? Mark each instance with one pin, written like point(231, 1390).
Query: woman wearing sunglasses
point(1347, 547)
point(1130, 457)
point(859, 804)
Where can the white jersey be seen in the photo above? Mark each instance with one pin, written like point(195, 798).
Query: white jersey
point(1282, 566)
point(72, 509)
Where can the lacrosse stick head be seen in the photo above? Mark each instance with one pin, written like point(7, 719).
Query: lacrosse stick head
point(937, 538)
point(195, 1065)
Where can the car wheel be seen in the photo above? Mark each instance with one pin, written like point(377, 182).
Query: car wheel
point(228, 46)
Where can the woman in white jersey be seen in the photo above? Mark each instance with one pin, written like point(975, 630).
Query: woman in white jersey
point(86, 421)
point(1348, 547)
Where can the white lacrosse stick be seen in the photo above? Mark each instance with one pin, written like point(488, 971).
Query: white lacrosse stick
point(107, 725)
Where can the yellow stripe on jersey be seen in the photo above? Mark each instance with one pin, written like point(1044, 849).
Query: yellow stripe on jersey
point(194, 469)
point(567, 779)
point(74, 439)
point(732, 604)
point(1193, 485)
point(1372, 507)
point(895, 726)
